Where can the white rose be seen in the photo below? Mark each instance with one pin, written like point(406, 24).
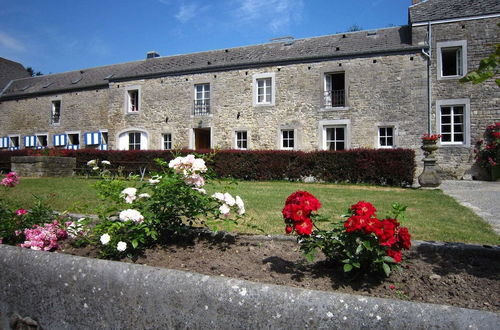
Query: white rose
point(200, 190)
point(144, 195)
point(241, 205)
point(105, 238)
point(224, 209)
point(92, 162)
point(175, 162)
point(106, 162)
point(95, 168)
point(229, 199)
point(129, 191)
point(121, 246)
point(219, 196)
point(132, 215)
point(199, 165)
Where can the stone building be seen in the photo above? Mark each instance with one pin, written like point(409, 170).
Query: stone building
point(382, 88)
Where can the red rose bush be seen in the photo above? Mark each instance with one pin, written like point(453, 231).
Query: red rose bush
point(362, 242)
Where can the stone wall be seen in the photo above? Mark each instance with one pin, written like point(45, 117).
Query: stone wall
point(43, 166)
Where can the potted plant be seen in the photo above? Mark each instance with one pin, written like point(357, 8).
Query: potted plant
point(488, 151)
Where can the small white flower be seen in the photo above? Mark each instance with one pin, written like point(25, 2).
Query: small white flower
point(95, 168)
point(106, 162)
point(92, 162)
point(121, 246)
point(155, 179)
point(144, 195)
point(219, 196)
point(224, 209)
point(200, 190)
point(105, 238)
point(229, 199)
point(131, 214)
point(241, 205)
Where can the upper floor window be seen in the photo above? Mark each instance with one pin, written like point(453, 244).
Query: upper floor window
point(288, 139)
point(56, 112)
point(386, 137)
point(167, 141)
point(334, 90)
point(133, 100)
point(201, 99)
point(264, 89)
point(452, 59)
point(241, 140)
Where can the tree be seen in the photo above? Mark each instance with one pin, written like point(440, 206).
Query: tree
point(32, 72)
point(354, 28)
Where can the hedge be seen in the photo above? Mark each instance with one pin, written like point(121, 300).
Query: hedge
point(394, 167)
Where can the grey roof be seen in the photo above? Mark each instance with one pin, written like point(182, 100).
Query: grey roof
point(395, 39)
point(10, 70)
point(433, 10)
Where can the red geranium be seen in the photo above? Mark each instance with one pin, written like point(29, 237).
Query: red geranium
point(364, 208)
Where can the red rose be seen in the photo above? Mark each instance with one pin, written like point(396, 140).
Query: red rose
point(363, 208)
point(396, 255)
point(304, 227)
point(288, 229)
point(385, 233)
point(372, 225)
point(355, 223)
point(404, 238)
point(295, 212)
point(310, 203)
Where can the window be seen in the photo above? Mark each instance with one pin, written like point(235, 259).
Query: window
point(14, 142)
point(287, 139)
point(92, 138)
point(133, 100)
point(334, 90)
point(263, 89)
point(56, 112)
point(241, 140)
point(453, 121)
point(59, 140)
point(73, 141)
point(386, 137)
point(4, 142)
point(201, 99)
point(452, 59)
point(104, 141)
point(167, 141)
point(30, 141)
point(134, 141)
point(41, 141)
point(335, 138)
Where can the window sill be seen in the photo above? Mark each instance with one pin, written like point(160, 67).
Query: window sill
point(450, 77)
point(258, 105)
point(326, 109)
point(210, 115)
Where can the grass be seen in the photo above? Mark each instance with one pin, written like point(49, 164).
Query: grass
point(431, 215)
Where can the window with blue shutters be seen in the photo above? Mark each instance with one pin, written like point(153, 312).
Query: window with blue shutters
point(30, 141)
point(92, 138)
point(59, 140)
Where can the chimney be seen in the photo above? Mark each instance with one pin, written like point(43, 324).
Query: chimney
point(152, 54)
point(414, 2)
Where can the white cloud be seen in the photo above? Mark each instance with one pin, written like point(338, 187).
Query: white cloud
point(10, 43)
point(186, 12)
point(277, 14)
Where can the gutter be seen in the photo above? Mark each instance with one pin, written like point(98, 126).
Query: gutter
point(5, 88)
point(429, 81)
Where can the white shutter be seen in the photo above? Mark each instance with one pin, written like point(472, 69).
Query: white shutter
point(144, 141)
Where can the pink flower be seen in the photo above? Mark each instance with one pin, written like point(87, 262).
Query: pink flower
point(11, 180)
point(21, 212)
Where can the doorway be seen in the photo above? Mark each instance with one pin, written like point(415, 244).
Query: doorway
point(201, 138)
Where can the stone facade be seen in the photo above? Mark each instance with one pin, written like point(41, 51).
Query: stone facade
point(43, 166)
point(385, 85)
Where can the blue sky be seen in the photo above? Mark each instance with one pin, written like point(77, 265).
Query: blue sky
point(64, 35)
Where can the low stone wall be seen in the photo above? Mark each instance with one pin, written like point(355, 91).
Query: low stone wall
point(57, 291)
point(43, 166)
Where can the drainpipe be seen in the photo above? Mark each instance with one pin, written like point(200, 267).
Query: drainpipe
point(429, 86)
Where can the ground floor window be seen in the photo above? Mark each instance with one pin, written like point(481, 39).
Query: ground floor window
point(41, 141)
point(452, 124)
point(335, 138)
point(167, 141)
point(134, 141)
point(241, 140)
point(287, 139)
point(386, 137)
point(14, 142)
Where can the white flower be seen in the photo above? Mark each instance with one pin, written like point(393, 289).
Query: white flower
point(95, 168)
point(105, 238)
point(155, 179)
point(224, 209)
point(92, 162)
point(106, 162)
point(144, 195)
point(200, 190)
point(229, 199)
point(199, 165)
point(188, 160)
point(131, 214)
point(175, 162)
point(195, 180)
point(129, 194)
point(219, 196)
point(241, 205)
point(121, 246)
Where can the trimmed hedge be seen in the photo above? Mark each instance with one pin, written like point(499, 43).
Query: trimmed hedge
point(394, 167)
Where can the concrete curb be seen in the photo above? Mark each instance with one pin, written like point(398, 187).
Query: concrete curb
point(59, 291)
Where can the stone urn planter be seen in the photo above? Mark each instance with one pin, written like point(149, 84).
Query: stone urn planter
point(429, 177)
point(43, 166)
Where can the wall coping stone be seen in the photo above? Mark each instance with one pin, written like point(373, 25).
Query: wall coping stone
point(61, 291)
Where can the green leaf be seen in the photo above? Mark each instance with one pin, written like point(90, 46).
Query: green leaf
point(367, 245)
point(359, 249)
point(387, 269)
point(347, 268)
point(389, 259)
point(135, 243)
point(356, 264)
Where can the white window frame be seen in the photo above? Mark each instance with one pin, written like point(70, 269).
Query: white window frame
point(386, 136)
point(11, 144)
point(205, 101)
point(462, 66)
point(68, 142)
point(163, 141)
point(52, 112)
point(128, 101)
point(465, 103)
point(263, 77)
point(236, 139)
point(282, 139)
point(327, 86)
point(38, 140)
point(324, 124)
point(123, 138)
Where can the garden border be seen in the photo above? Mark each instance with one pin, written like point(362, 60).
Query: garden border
point(58, 291)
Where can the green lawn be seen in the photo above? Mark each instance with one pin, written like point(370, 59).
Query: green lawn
point(431, 215)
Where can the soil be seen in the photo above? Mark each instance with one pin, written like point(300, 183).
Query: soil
point(468, 278)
